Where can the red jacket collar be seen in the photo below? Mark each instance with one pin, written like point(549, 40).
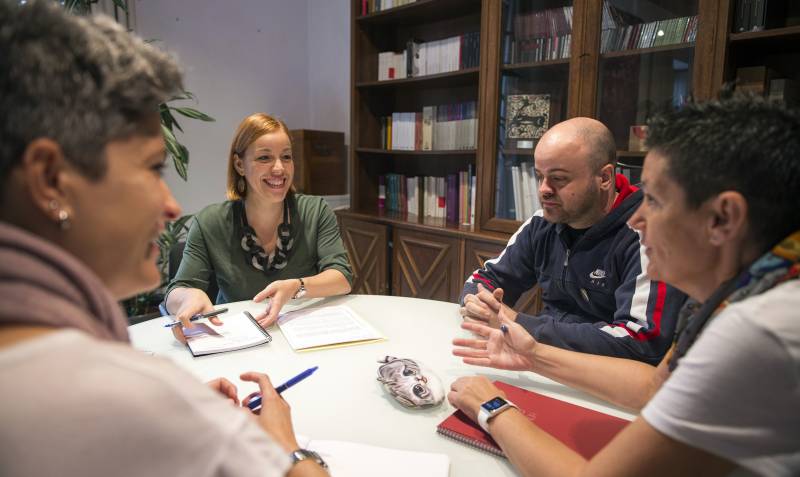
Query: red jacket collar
point(624, 189)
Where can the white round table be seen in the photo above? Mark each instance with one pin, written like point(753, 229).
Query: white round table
point(343, 400)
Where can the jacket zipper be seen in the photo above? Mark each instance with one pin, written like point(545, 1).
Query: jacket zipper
point(564, 272)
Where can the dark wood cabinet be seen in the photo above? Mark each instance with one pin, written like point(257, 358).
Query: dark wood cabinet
point(320, 162)
point(426, 265)
point(367, 246)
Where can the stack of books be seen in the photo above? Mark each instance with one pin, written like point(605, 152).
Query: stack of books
point(648, 35)
point(539, 36)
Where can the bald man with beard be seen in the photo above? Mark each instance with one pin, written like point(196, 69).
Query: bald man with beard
point(579, 249)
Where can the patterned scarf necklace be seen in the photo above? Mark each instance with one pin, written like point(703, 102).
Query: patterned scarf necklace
point(254, 251)
point(778, 265)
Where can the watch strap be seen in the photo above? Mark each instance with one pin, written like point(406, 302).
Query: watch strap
point(299, 455)
point(300, 291)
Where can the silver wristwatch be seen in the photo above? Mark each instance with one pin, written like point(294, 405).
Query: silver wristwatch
point(301, 292)
point(303, 454)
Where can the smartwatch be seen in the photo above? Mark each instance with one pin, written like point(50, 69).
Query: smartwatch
point(491, 408)
point(300, 455)
point(301, 292)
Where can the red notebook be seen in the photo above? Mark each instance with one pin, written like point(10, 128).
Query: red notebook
point(583, 430)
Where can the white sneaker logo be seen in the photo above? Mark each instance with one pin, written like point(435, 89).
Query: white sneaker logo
point(598, 274)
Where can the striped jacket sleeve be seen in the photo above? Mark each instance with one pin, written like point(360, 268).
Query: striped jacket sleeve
point(642, 326)
point(513, 270)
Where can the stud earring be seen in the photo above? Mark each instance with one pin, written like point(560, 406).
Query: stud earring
point(63, 220)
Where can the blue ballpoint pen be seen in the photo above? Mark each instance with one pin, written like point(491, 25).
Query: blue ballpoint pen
point(256, 403)
point(198, 317)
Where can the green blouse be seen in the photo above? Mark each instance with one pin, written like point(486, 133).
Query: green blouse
point(213, 246)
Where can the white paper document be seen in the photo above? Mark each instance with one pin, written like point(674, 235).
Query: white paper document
point(325, 326)
point(350, 459)
point(238, 331)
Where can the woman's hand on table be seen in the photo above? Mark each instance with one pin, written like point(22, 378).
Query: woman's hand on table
point(468, 393)
point(274, 416)
point(510, 349)
point(226, 388)
point(193, 302)
point(278, 293)
point(486, 307)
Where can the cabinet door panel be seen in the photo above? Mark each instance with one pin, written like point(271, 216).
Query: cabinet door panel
point(476, 253)
point(367, 247)
point(426, 266)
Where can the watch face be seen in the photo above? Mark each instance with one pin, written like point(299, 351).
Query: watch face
point(494, 404)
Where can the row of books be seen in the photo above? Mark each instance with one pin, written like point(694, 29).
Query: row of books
point(647, 35)
point(437, 128)
point(517, 193)
point(538, 36)
point(757, 15)
point(450, 198)
point(431, 57)
point(372, 6)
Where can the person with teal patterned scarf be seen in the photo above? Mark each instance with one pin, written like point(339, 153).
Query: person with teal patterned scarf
point(720, 222)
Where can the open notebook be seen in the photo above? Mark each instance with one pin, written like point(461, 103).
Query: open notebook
point(238, 331)
point(350, 459)
point(327, 326)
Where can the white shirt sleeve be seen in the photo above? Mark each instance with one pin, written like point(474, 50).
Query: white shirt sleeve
point(736, 393)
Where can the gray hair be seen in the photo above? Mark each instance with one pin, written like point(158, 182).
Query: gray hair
point(80, 81)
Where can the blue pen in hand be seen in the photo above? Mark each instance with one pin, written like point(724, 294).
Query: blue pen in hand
point(256, 403)
point(198, 317)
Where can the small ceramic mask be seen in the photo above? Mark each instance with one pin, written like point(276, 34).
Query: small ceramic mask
point(411, 384)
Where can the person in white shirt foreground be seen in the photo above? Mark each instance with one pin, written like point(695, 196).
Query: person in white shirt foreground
point(83, 202)
point(721, 222)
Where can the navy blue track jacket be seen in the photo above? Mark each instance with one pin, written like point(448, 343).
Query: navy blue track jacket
point(597, 297)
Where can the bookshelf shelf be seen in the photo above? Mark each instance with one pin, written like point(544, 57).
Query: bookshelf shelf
point(783, 34)
point(536, 64)
point(644, 51)
point(518, 152)
point(426, 11)
point(453, 78)
point(401, 152)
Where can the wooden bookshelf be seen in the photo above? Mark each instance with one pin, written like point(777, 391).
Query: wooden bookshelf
point(577, 81)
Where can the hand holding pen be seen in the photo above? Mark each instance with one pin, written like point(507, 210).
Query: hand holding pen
point(254, 402)
point(198, 317)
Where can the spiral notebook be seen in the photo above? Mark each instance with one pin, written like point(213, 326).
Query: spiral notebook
point(238, 331)
point(583, 430)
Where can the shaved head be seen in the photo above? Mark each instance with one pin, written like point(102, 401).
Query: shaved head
point(590, 138)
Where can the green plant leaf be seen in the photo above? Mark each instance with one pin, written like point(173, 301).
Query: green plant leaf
point(193, 113)
point(179, 153)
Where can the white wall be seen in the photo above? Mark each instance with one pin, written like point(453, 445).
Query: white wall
point(244, 56)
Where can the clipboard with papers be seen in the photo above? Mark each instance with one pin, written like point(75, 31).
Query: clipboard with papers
point(239, 331)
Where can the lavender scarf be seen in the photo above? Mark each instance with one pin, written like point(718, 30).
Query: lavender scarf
point(42, 284)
